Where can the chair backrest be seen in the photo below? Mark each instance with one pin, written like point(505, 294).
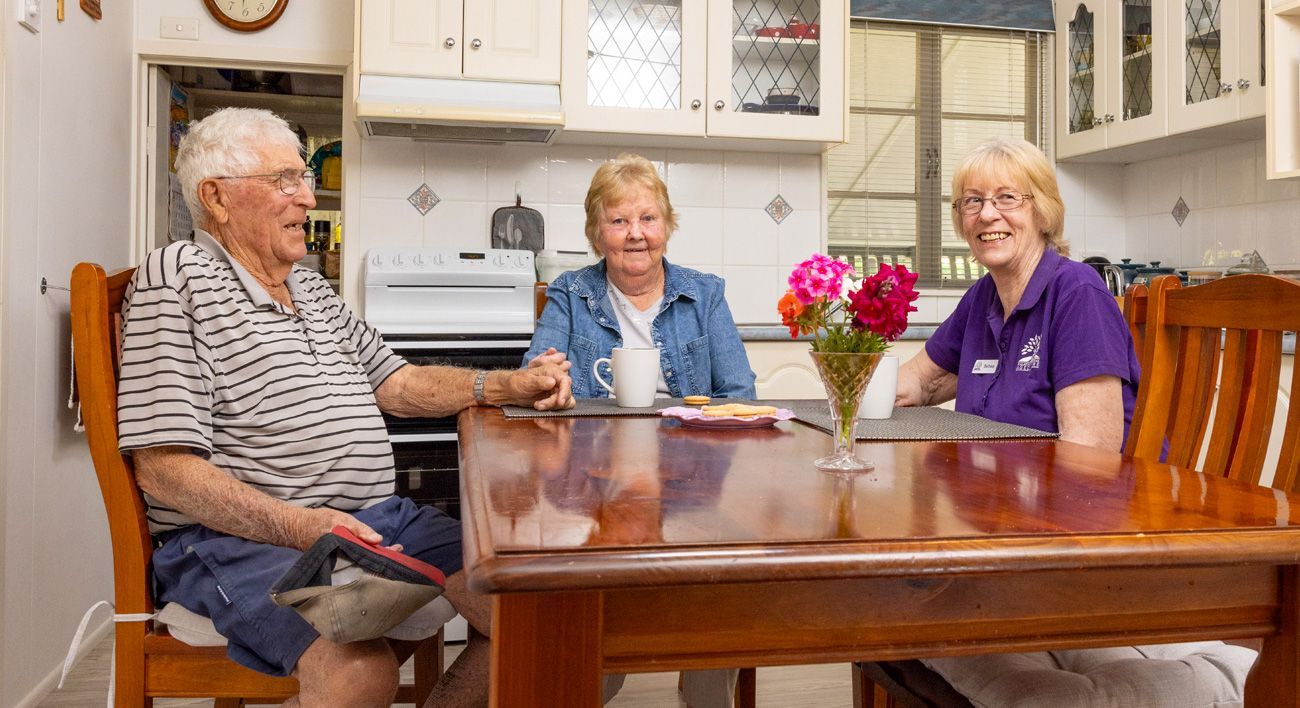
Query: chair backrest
point(1133, 303)
point(1226, 333)
point(96, 334)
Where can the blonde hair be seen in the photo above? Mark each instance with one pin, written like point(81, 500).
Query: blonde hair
point(615, 181)
point(1023, 163)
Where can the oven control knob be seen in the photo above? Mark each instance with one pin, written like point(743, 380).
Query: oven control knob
point(377, 260)
point(498, 260)
point(439, 259)
point(399, 261)
point(419, 259)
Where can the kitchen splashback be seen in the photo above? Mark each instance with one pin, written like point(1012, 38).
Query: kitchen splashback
point(727, 223)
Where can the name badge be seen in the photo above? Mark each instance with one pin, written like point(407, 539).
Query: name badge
point(985, 366)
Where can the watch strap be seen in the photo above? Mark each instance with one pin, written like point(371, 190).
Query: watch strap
point(480, 380)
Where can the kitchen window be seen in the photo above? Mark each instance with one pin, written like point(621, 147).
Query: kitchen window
point(920, 98)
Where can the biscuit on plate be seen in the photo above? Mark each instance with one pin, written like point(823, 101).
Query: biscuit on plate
point(696, 400)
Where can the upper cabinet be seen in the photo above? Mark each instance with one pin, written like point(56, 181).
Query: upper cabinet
point(1217, 62)
point(1112, 81)
point(1282, 148)
point(1139, 71)
point(515, 40)
point(769, 69)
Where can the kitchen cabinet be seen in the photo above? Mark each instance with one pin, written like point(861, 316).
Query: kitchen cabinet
point(1216, 63)
point(1282, 144)
point(766, 69)
point(1111, 59)
point(515, 40)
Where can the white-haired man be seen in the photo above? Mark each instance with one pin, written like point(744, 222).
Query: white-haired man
point(250, 401)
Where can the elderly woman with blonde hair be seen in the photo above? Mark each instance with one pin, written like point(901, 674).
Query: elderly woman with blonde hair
point(1038, 341)
point(635, 298)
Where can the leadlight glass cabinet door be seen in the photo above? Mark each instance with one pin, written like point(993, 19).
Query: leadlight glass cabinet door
point(1216, 62)
point(777, 69)
point(1081, 77)
point(634, 66)
point(1136, 71)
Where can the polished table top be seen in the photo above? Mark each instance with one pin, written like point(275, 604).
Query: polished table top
point(603, 503)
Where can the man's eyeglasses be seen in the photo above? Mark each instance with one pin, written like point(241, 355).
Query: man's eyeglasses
point(1006, 201)
point(288, 180)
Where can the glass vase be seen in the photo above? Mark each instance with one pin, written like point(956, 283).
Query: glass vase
point(845, 377)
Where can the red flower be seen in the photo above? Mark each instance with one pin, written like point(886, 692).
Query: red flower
point(884, 300)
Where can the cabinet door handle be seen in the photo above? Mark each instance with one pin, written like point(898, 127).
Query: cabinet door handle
point(1243, 84)
point(449, 42)
point(476, 43)
point(1110, 118)
point(695, 105)
point(1097, 121)
point(719, 105)
point(1225, 87)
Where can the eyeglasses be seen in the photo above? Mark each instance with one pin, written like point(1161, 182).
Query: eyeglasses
point(1006, 201)
point(288, 180)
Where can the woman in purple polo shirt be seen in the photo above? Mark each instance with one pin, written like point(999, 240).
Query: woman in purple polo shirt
point(1038, 341)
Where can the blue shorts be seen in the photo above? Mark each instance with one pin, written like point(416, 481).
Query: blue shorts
point(228, 579)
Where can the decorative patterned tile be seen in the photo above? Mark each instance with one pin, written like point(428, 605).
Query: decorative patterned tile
point(1181, 210)
point(423, 199)
point(778, 209)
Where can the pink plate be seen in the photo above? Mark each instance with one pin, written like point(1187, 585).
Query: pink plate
point(694, 418)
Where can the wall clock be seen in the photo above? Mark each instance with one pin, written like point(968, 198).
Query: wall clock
point(246, 15)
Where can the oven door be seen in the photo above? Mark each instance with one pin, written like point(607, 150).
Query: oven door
point(425, 450)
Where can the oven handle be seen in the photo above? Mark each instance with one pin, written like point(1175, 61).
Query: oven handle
point(421, 437)
point(407, 345)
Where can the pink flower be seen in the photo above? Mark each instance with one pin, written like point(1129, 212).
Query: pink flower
point(882, 304)
point(819, 277)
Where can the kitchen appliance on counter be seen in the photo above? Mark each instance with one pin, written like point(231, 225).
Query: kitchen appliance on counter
point(459, 308)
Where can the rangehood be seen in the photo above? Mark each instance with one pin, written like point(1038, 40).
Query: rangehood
point(458, 110)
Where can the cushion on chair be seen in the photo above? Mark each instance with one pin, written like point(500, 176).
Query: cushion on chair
point(1188, 675)
point(197, 630)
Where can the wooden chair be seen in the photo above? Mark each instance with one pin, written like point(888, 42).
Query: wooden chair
point(150, 663)
point(1225, 334)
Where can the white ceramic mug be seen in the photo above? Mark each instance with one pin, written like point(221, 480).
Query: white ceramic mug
point(636, 376)
point(878, 401)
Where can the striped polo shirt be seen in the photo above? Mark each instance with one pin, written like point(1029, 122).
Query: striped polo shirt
point(283, 401)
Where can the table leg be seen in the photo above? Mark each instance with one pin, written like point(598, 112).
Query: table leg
point(1275, 680)
point(546, 649)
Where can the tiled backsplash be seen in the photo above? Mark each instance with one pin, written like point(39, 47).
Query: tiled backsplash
point(721, 198)
point(1233, 209)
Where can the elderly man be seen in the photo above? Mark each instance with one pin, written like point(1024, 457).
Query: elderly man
point(250, 400)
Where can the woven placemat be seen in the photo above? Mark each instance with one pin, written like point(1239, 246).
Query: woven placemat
point(586, 407)
point(924, 424)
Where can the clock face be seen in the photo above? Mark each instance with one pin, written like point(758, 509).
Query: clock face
point(246, 15)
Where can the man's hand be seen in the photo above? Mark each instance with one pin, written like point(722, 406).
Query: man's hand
point(543, 385)
point(311, 524)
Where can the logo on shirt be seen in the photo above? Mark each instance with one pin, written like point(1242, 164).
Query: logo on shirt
point(1029, 354)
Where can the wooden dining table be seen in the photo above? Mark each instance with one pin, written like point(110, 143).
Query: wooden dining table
point(635, 544)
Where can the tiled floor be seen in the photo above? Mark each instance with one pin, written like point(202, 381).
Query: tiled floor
point(825, 686)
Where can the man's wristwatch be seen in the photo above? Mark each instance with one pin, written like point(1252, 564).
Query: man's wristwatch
point(479, 380)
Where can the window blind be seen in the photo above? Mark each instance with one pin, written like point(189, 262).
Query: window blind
point(921, 97)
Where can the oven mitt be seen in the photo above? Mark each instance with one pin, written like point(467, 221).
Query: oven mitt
point(392, 587)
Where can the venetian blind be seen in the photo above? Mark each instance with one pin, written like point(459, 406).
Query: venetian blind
point(921, 96)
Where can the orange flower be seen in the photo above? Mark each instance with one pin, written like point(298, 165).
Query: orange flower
point(790, 309)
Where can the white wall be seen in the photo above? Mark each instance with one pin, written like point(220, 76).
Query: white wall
point(720, 198)
point(66, 131)
point(1094, 209)
point(309, 32)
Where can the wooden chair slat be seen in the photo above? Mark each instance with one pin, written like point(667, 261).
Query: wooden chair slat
point(1258, 406)
point(1287, 475)
point(1227, 409)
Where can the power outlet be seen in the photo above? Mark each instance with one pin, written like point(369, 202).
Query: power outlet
point(29, 14)
point(179, 28)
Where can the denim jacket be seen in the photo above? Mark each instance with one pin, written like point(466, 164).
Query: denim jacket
point(700, 349)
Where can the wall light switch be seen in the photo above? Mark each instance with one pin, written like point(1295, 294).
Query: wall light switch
point(29, 14)
point(179, 28)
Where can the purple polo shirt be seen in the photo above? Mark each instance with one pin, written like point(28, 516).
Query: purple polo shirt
point(1066, 328)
